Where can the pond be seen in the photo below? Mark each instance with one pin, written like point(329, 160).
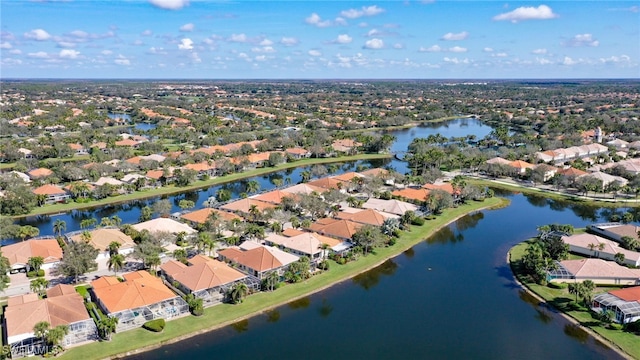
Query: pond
point(451, 297)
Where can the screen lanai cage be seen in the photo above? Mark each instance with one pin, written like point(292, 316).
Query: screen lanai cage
point(625, 311)
point(166, 309)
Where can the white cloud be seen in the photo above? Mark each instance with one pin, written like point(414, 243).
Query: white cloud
point(261, 58)
point(195, 58)
point(79, 34)
point(373, 32)
point(264, 49)
point(106, 52)
point(568, 61)
point(455, 37)
point(122, 60)
point(398, 46)
point(37, 34)
point(66, 44)
point(616, 59)
point(238, 38)
point(15, 51)
point(315, 20)
point(156, 51)
point(458, 49)
point(146, 33)
point(456, 60)
point(487, 49)
point(187, 27)
point(289, 41)
point(69, 54)
point(434, 48)
point(502, 54)
point(170, 4)
point(543, 61)
point(137, 42)
point(185, 44)
point(315, 53)
point(340, 21)
point(582, 40)
point(542, 12)
point(374, 44)
point(5, 45)
point(363, 11)
point(539, 51)
point(344, 39)
point(266, 42)
point(39, 55)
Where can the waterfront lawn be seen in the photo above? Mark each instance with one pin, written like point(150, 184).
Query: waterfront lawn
point(171, 189)
point(225, 314)
point(561, 299)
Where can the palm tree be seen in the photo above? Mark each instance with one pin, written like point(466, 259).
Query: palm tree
point(153, 262)
point(35, 263)
point(107, 326)
point(574, 288)
point(39, 285)
point(87, 223)
point(115, 262)
point(271, 280)
point(40, 329)
point(54, 336)
point(238, 292)
point(28, 231)
point(253, 186)
point(276, 227)
point(619, 258)
point(116, 220)
point(86, 236)
point(59, 226)
point(113, 247)
point(306, 175)
point(180, 255)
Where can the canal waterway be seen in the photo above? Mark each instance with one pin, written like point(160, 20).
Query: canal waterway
point(451, 297)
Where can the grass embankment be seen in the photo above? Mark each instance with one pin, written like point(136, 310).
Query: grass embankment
point(171, 189)
point(561, 300)
point(554, 195)
point(225, 314)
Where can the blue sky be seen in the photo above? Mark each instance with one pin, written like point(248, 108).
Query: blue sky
point(195, 39)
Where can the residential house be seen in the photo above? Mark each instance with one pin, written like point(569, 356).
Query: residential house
point(304, 189)
point(414, 195)
point(339, 229)
point(345, 145)
point(605, 179)
point(164, 225)
point(39, 173)
point(307, 244)
point(200, 217)
point(396, 207)
point(52, 193)
point(327, 183)
point(597, 270)
point(274, 197)
point(141, 297)
point(78, 149)
point(615, 231)
point(368, 216)
point(202, 168)
point(204, 277)
point(298, 153)
point(101, 238)
point(247, 206)
point(62, 306)
point(20, 252)
point(19, 175)
point(623, 303)
point(257, 260)
point(521, 166)
point(599, 247)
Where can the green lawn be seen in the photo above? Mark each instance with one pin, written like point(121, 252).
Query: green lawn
point(225, 314)
point(560, 299)
point(169, 190)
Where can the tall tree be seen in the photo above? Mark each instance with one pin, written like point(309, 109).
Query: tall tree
point(35, 263)
point(78, 258)
point(5, 267)
point(39, 285)
point(115, 263)
point(238, 292)
point(59, 226)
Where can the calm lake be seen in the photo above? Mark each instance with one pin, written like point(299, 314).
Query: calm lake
point(450, 297)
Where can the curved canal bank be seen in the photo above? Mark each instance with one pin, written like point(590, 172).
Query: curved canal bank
point(140, 340)
point(627, 345)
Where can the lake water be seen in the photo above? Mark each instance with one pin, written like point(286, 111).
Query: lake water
point(119, 116)
point(145, 126)
point(451, 297)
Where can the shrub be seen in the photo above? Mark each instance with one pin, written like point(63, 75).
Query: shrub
point(31, 274)
point(323, 265)
point(396, 233)
point(633, 327)
point(615, 326)
point(417, 221)
point(558, 285)
point(156, 325)
point(392, 241)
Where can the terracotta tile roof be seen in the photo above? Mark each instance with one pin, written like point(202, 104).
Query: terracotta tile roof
point(368, 216)
point(139, 289)
point(101, 238)
point(57, 310)
point(200, 216)
point(598, 268)
point(412, 194)
point(342, 229)
point(49, 189)
point(628, 294)
point(204, 273)
point(71, 186)
point(572, 172)
point(126, 142)
point(297, 151)
point(292, 232)
point(304, 189)
point(76, 147)
point(258, 259)
point(201, 166)
point(375, 172)
point(244, 205)
point(164, 225)
point(155, 174)
point(396, 207)
point(274, 197)
point(346, 177)
point(60, 290)
point(326, 183)
point(134, 160)
point(498, 160)
point(445, 186)
point(19, 253)
point(40, 172)
point(519, 164)
point(629, 230)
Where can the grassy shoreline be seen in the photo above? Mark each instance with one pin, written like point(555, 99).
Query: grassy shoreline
point(140, 340)
point(552, 194)
point(626, 344)
point(172, 190)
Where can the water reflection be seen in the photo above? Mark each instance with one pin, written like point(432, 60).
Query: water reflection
point(444, 236)
point(301, 303)
point(273, 315)
point(371, 278)
point(409, 253)
point(325, 308)
point(469, 221)
point(241, 326)
point(543, 316)
point(535, 200)
point(576, 332)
